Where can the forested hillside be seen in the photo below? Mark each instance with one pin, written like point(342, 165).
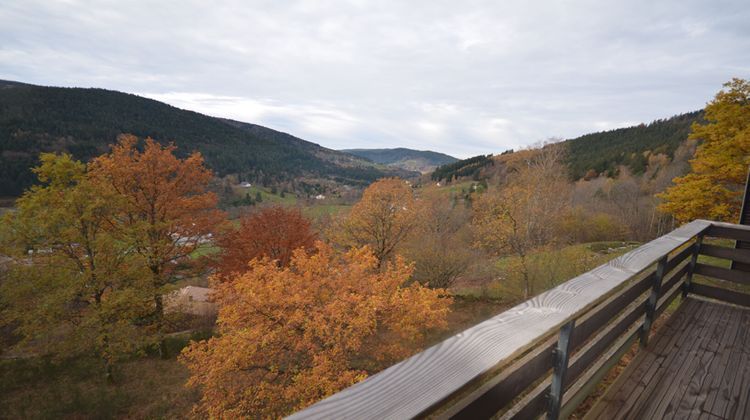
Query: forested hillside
point(84, 122)
point(409, 159)
point(600, 153)
point(463, 168)
point(604, 151)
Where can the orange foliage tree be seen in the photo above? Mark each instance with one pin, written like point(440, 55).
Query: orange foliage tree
point(289, 336)
point(163, 209)
point(273, 232)
point(384, 217)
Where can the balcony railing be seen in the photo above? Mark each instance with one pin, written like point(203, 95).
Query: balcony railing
point(548, 353)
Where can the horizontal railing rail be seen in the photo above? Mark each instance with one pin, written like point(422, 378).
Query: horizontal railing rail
point(546, 354)
point(725, 276)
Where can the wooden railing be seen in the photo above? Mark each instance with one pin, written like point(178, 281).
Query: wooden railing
point(548, 353)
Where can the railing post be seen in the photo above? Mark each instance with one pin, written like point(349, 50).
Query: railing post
point(693, 260)
point(653, 299)
point(561, 356)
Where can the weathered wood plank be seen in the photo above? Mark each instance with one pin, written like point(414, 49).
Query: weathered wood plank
point(678, 258)
point(664, 374)
point(424, 380)
point(721, 273)
point(532, 405)
point(502, 389)
point(669, 296)
point(725, 295)
point(728, 232)
point(722, 401)
point(724, 369)
point(668, 372)
point(499, 391)
point(589, 353)
point(627, 394)
point(588, 381)
point(733, 254)
point(709, 360)
point(703, 374)
point(739, 391)
point(697, 364)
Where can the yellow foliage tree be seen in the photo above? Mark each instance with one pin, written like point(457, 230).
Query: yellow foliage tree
point(73, 288)
point(713, 189)
point(383, 219)
point(289, 336)
point(526, 214)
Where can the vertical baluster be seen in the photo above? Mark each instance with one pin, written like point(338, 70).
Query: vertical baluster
point(562, 353)
point(653, 299)
point(693, 261)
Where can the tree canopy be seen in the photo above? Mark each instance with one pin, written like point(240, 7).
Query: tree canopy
point(74, 288)
point(273, 232)
point(383, 219)
point(713, 189)
point(289, 336)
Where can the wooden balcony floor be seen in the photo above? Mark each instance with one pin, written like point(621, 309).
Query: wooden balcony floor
point(696, 367)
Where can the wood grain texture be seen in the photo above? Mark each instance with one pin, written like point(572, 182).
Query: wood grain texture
point(497, 392)
point(699, 367)
point(623, 394)
point(422, 381)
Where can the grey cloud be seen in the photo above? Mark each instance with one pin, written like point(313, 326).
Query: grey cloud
point(459, 77)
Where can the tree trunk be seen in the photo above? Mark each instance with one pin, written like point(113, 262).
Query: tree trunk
point(159, 302)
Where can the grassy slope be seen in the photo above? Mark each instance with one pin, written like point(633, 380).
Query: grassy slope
point(145, 388)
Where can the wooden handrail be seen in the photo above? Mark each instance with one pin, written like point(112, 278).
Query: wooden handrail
point(423, 383)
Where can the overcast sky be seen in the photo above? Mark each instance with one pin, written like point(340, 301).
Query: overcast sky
point(460, 77)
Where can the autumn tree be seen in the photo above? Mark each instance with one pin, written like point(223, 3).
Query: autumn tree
point(713, 189)
point(74, 288)
point(524, 215)
point(289, 336)
point(441, 244)
point(164, 211)
point(273, 232)
point(382, 219)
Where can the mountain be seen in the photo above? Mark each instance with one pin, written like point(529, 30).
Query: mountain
point(84, 122)
point(604, 151)
point(409, 159)
point(600, 153)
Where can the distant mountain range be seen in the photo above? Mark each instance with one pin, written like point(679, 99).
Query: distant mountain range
point(409, 159)
point(84, 122)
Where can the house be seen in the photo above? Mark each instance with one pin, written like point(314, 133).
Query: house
point(246, 185)
point(320, 197)
point(192, 300)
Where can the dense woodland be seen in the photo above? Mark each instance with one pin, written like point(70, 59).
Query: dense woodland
point(470, 167)
point(605, 152)
point(601, 153)
point(84, 122)
point(309, 303)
